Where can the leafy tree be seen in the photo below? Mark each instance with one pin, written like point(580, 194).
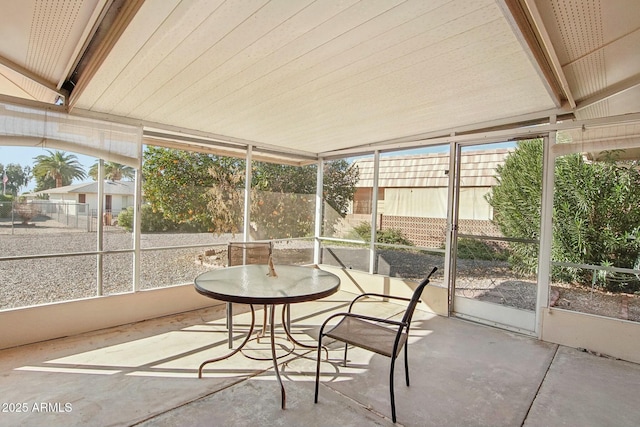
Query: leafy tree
point(226, 196)
point(150, 221)
point(57, 168)
point(516, 201)
point(208, 191)
point(17, 176)
point(340, 179)
point(283, 197)
point(45, 183)
point(113, 171)
point(596, 217)
point(282, 200)
point(176, 184)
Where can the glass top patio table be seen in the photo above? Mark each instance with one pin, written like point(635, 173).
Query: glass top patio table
point(252, 284)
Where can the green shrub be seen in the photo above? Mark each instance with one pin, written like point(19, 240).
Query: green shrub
point(6, 205)
point(481, 250)
point(150, 221)
point(390, 236)
point(596, 214)
point(125, 219)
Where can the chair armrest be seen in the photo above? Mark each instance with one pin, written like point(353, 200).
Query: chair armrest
point(363, 317)
point(370, 294)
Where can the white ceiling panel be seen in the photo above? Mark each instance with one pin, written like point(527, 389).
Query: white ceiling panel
point(319, 76)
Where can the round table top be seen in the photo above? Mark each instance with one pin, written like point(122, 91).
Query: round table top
point(251, 284)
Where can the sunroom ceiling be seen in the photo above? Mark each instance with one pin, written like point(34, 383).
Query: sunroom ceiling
point(316, 77)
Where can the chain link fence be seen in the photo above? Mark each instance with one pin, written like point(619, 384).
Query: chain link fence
point(31, 213)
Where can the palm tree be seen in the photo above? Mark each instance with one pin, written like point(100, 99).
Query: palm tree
point(113, 171)
point(61, 167)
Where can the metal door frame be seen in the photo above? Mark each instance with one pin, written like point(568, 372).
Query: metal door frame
point(500, 316)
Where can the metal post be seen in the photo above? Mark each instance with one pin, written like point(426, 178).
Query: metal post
point(100, 226)
point(318, 215)
point(137, 215)
point(452, 223)
point(246, 232)
point(546, 227)
point(137, 227)
point(247, 195)
point(374, 213)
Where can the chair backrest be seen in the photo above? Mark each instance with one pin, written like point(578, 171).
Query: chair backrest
point(242, 253)
point(415, 298)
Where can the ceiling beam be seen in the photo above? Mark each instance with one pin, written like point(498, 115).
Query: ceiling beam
point(89, 32)
point(525, 30)
point(8, 99)
point(610, 91)
point(115, 21)
point(30, 75)
point(554, 61)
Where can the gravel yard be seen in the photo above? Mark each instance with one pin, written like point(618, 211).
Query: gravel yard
point(38, 281)
point(29, 282)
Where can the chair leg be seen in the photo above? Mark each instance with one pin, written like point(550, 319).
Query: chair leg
point(393, 397)
point(406, 364)
point(346, 346)
point(315, 400)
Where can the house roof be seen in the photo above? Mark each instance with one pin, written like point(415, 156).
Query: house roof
point(324, 78)
point(431, 170)
point(125, 188)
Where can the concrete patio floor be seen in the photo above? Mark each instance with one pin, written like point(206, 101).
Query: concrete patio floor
point(462, 374)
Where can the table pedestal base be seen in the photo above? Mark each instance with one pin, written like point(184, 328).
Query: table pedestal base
point(274, 356)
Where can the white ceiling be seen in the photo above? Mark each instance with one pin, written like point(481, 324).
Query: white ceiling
point(316, 77)
point(39, 43)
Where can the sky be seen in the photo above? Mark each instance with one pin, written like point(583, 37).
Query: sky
point(24, 157)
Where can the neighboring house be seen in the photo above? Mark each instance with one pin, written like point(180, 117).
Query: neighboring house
point(417, 185)
point(413, 194)
point(118, 195)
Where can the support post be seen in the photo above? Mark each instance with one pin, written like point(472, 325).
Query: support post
point(247, 196)
point(318, 214)
point(546, 227)
point(374, 213)
point(100, 226)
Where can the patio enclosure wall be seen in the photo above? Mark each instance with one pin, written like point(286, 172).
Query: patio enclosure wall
point(142, 272)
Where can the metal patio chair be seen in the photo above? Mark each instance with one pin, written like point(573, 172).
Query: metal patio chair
point(382, 336)
point(244, 253)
